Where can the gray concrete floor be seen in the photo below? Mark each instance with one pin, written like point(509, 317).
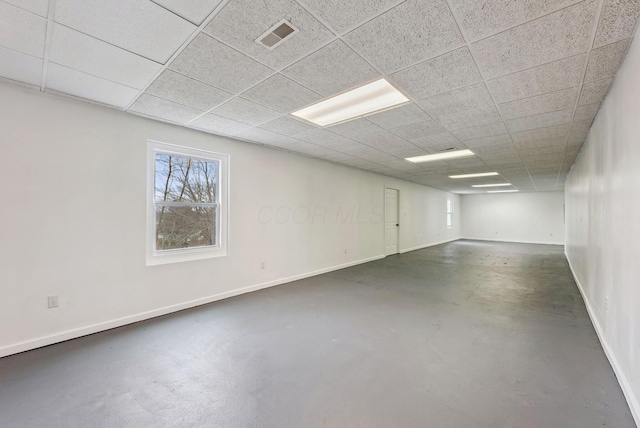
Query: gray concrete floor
point(467, 334)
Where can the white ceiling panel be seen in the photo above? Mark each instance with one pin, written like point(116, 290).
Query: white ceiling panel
point(457, 101)
point(287, 125)
point(604, 61)
point(552, 101)
point(418, 129)
point(215, 63)
point(20, 67)
point(435, 140)
point(241, 22)
point(164, 109)
point(414, 31)
point(555, 36)
point(586, 112)
point(193, 10)
point(22, 31)
point(561, 74)
point(331, 70)
point(246, 111)
point(442, 74)
point(92, 88)
point(139, 26)
point(481, 131)
point(328, 139)
point(265, 137)
point(543, 120)
point(92, 56)
point(399, 116)
point(594, 92)
point(282, 94)
point(484, 18)
point(494, 140)
point(617, 20)
point(540, 134)
point(184, 90)
point(39, 7)
point(343, 16)
point(472, 117)
point(219, 125)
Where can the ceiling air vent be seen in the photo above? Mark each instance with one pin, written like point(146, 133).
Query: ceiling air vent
point(447, 150)
point(277, 34)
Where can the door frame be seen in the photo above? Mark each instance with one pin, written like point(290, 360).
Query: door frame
point(384, 220)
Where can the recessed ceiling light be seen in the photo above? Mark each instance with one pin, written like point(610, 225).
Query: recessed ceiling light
point(492, 185)
point(481, 174)
point(370, 98)
point(501, 191)
point(441, 156)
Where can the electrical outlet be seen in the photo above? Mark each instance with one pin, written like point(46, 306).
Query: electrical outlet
point(262, 265)
point(52, 301)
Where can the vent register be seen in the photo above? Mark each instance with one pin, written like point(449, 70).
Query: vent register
point(277, 34)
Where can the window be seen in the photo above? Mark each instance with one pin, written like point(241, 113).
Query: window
point(449, 213)
point(187, 206)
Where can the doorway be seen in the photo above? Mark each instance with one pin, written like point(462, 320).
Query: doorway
point(391, 224)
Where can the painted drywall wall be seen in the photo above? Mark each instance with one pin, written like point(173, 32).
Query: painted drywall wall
point(603, 227)
point(73, 218)
point(535, 217)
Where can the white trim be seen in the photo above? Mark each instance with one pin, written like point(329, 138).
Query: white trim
point(625, 385)
point(432, 244)
point(38, 342)
point(514, 241)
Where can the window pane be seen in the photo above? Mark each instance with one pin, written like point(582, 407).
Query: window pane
point(185, 179)
point(449, 206)
point(449, 219)
point(185, 227)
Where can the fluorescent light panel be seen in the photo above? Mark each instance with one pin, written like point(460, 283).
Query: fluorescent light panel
point(492, 185)
point(441, 156)
point(367, 99)
point(480, 174)
point(501, 191)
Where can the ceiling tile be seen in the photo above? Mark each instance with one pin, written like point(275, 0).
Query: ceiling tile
point(164, 109)
point(181, 89)
point(241, 22)
point(398, 116)
point(265, 137)
point(542, 143)
point(442, 74)
point(419, 129)
point(402, 165)
point(581, 127)
point(345, 15)
point(355, 128)
point(287, 125)
point(92, 56)
point(391, 146)
point(246, 111)
point(20, 67)
point(552, 101)
point(617, 20)
point(328, 139)
point(550, 77)
point(457, 101)
point(92, 88)
point(586, 112)
point(538, 151)
point(407, 153)
point(481, 131)
point(414, 31)
point(500, 148)
point(594, 92)
point(212, 62)
point(193, 10)
point(546, 39)
point(484, 18)
point(435, 140)
point(282, 94)
point(577, 138)
point(219, 125)
point(139, 26)
point(22, 31)
point(543, 120)
point(472, 117)
point(39, 7)
point(540, 134)
point(604, 61)
point(331, 70)
point(492, 140)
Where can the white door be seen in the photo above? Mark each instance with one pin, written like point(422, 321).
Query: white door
point(390, 221)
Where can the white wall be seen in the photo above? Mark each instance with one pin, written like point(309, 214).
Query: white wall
point(72, 221)
point(603, 225)
point(536, 217)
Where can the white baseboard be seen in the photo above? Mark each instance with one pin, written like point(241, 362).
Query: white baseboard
point(632, 400)
point(119, 322)
point(514, 241)
point(432, 244)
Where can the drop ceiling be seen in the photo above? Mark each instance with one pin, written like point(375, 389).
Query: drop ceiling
point(517, 82)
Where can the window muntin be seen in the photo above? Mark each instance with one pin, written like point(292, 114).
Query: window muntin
point(449, 213)
point(187, 204)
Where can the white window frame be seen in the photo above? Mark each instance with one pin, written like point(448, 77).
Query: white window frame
point(450, 209)
point(155, 257)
